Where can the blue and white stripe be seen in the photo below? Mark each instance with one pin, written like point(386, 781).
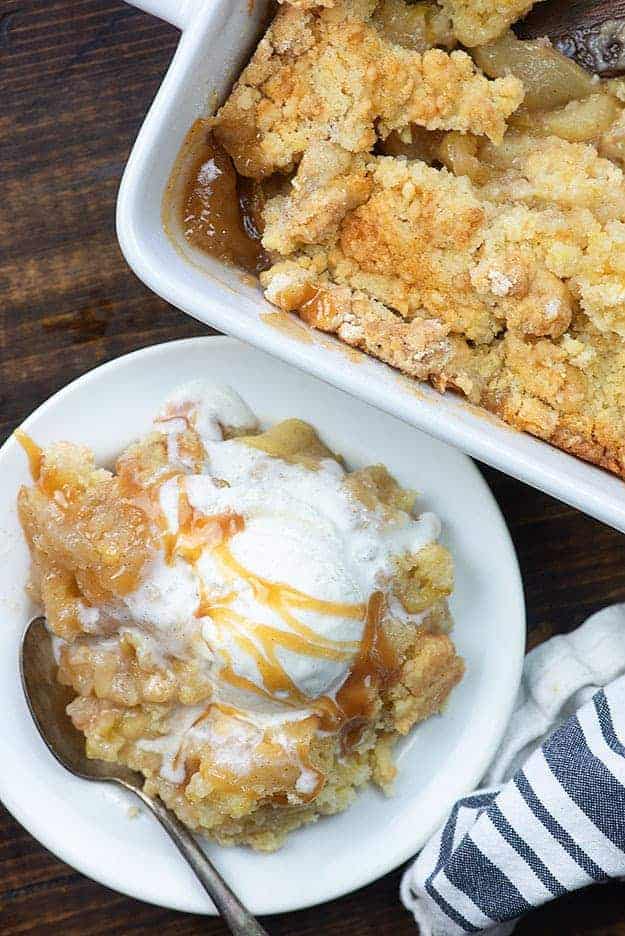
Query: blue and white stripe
point(556, 825)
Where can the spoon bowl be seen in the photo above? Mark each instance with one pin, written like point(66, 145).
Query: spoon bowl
point(47, 701)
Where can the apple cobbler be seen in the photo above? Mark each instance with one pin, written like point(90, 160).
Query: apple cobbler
point(241, 618)
point(440, 194)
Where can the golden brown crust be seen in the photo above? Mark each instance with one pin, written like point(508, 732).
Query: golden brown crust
point(340, 182)
point(570, 393)
point(88, 541)
point(332, 75)
point(428, 677)
point(510, 289)
point(476, 22)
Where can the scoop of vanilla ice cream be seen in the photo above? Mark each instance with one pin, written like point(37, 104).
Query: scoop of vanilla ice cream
point(214, 406)
point(291, 585)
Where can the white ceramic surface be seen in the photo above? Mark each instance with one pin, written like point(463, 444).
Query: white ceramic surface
point(87, 824)
point(217, 37)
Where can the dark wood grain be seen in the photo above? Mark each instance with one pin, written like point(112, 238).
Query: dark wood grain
point(76, 77)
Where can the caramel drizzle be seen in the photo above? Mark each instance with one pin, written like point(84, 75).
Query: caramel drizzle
point(34, 453)
point(373, 670)
point(281, 599)
point(374, 659)
point(197, 531)
point(369, 671)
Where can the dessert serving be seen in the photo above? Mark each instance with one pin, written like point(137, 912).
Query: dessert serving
point(242, 619)
point(438, 193)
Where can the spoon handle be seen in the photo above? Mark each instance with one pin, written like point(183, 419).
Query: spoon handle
point(240, 921)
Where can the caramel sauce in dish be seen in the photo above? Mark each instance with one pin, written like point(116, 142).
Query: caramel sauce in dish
point(219, 212)
point(267, 572)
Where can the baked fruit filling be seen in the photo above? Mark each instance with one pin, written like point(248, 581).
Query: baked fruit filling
point(444, 196)
point(242, 619)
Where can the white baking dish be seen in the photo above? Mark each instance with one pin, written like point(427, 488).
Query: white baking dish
point(217, 37)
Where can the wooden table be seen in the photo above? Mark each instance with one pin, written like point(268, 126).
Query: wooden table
point(76, 77)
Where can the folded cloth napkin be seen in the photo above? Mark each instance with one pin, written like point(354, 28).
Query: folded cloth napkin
point(551, 816)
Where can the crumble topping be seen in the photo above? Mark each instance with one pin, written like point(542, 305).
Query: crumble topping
point(476, 22)
point(330, 74)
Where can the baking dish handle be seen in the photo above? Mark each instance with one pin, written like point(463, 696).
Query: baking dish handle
point(176, 12)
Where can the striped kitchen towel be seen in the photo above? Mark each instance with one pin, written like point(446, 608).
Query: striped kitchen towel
point(551, 816)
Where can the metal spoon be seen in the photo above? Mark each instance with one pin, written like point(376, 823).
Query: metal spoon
point(590, 31)
point(47, 701)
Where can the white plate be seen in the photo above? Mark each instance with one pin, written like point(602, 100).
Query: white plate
point(87, 824)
